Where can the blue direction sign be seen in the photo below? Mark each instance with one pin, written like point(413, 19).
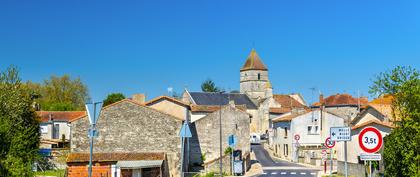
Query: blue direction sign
point(185, 131)
point(232, 140)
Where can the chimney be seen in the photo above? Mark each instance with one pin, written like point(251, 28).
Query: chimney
point(321, 99)
point(139, 98)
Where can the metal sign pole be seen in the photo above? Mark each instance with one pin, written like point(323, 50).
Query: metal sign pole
point(345, 159)
point(182, 156)
point(331, 161)
point(90, 150)
point(370, 168)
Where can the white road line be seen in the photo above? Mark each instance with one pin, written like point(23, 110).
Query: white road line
point(264, 173)
point(274, 173)
point(303, 173)
point(313, 173)
point(292, 173)
point(283, 173)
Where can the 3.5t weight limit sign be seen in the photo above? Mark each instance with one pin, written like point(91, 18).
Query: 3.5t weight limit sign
point(370, 140)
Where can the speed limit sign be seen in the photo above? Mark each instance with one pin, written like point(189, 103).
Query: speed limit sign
point(370, 140)
point(329, 143)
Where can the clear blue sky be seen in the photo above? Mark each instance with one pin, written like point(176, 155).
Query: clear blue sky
point(147, 46)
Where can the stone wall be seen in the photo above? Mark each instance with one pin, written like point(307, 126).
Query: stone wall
point(129, 127)
point(206, 137)
point(251, 85)
point(356, 170)
point(347, 112)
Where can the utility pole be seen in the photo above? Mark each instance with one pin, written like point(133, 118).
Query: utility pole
point(220, 133)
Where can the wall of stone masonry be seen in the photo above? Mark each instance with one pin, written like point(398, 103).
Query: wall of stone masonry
point(207, 137)
point(129, 127)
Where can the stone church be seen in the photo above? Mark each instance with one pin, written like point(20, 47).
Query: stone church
point(256, 95)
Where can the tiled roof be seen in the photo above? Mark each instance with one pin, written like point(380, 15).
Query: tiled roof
point(129, 101)
point(59, 115)
point(253, 62)
point(121, 156)
point(215, 99)
point(386, 99)
point(287, 101)
point(342, 99)
point(154, 100)
point(290, 117)
point(386, 124)
point(279, 110)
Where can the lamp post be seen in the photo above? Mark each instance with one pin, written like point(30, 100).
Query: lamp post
point(93, 118)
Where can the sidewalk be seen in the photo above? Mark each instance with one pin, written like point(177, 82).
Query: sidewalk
point(256, 168)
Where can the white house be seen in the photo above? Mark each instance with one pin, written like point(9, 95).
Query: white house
point(311, 127)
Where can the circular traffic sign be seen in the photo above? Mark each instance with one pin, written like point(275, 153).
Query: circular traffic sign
point(297, 137)
point(370, 140)
point(329, 143)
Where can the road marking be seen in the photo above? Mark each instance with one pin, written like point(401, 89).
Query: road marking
point(313, 173)
point(292, 173)
point(287, 168)
point(303, 173)
point(264, 173)
point(274, 173)
point(283, 173)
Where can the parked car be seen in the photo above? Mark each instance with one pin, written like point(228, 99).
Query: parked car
point(264, 137)
point(255, 139)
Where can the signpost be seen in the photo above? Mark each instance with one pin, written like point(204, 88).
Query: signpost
point(330, 144)
point(296, 147)
point(342, 134)
point(370, 141)
point(93, 119)
point(185, 132)
point(297, 137)
point(232, 143)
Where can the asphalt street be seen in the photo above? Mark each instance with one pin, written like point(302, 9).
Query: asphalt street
point(279, 167)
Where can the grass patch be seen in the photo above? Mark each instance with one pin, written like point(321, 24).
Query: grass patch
point(58, 173)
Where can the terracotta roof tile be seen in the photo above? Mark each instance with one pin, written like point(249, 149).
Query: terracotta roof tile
point(342, 99)
point(154, 100)
point(286, 101)
point(103, 157)
point(386, 99)
point(386, 124)
point(279, 110)
point(253, 62)
point(59, 115)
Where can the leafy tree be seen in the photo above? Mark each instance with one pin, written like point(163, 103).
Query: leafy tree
point(402, 145)
point(112, 98)
point(59, 93)
point(209, 86)
point(19, 126)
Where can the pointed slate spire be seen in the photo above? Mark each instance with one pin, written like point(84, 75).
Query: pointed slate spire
point(253, 62)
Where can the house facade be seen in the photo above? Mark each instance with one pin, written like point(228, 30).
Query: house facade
point(55, 128)
point(312, 126)
point(128, 127)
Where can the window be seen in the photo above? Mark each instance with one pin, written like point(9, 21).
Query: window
point(286, 150)
point(56, 131)
point(285, 132)
point(259, 76)
point(313, 129)
point(310, 129)
point(316, 129)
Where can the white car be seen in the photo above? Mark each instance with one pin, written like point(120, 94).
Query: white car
point(255, 139)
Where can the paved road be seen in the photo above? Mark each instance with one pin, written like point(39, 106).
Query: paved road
point(279, 167)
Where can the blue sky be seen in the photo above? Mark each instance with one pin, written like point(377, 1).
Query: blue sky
point(148, 46)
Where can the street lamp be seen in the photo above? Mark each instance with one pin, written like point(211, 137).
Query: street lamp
point(93, 118)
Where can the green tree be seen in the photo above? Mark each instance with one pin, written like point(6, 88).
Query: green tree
point(209, 86)
point(59, 93)
point(402, 145)
point(19, 126)
point(112, 98)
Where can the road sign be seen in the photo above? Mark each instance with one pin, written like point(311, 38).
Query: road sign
point(232, 140)
point(297, 137)
point(340, 134)
point(374, 157)
point(370, 140)
point(185, 131)
point(92, 113)
point(329, 143)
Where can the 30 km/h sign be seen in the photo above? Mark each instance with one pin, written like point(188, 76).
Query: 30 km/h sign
point(329, 143)
point(297, 137)
point(370, 140)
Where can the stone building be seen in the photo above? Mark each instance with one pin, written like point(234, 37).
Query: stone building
point(130, 128)
point(205, 144)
